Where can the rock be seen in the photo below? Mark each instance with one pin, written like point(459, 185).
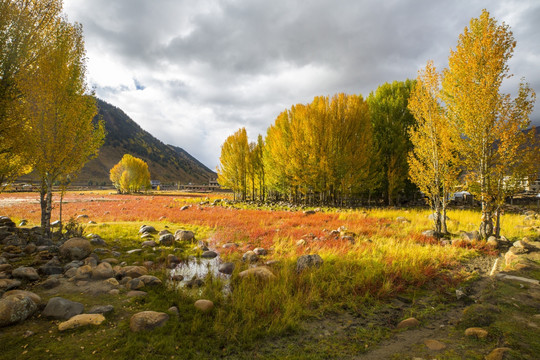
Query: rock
point(172, 261)
point(250, 256)
point(478, 315)
point(163, 232)
point(166, 240)
point(103, 271)
point(492, 241)
point(260, 251)
point(5, 268)
point(408, 323)
point(6, 221)
point(30, 248)
point(96, 240)
point(429, 233)
point(147, 320)
point(185, 207)
point(51, 282)
point(204, 305)
point(301, 242)
point(23, 223)
point(101, 309)
point(403, 220)
point(173, 310)
point(133, 271)
point(147, 236)
point(71, 273)
point(62, 309)
point(82, 216)
point(260, 272)
point(8, 284)
point(177, 277)
point(309, 212)
point(52, 267)
point(15, 308)
point(226, 268)
point(149, 243)
point(184, 235)
point(133, 251)
point(209, 254)
point(498, 354)
point(34, 297)
point(150, 280)
point(195, 282)
point(112, 281)
point(476, 332)
point(308, 261)
point(470, 236)
point(84, 272)
point(81, 320)
point(91, 260)
point(147, 229)
point(504, 276)
point(434, 345)
point(135, 284)
point(229, 245)
point(75, 249)
point(25, 273)
point(111, 261)
point(136, 293)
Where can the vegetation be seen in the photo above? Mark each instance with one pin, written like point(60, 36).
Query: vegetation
point(130, 175)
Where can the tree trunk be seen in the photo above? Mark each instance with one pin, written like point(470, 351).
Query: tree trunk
point(486, 225)
point(46, 205)
point(497, 231)
point(444, 228)
point(437, 219)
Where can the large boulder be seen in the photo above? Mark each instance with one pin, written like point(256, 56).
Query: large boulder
point(308, 261)
point(34, 297)
point(133, 271)
point(76, 249)
point(8, 284)
point(25, 273)
point(226, 268)
point(166, 240)
point(81, 320)
point(15, 308)
point(62, 309)
point(103, 271)
point(147, 229)
point(259, 272)
point(184, 235)
point(147, 320)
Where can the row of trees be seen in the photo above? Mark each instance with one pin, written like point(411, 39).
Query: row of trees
point(466, 126)
point(440, 131)
point(46, 107)
point(130, 175)
point(328, 151)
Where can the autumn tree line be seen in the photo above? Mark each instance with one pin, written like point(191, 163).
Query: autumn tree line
point(446, 129)
point(46, 106)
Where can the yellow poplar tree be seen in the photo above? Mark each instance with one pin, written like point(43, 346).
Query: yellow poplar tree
point(60, 135)
point(487, 121)
point(130, 175)
point(233, 168)
point(433, 164)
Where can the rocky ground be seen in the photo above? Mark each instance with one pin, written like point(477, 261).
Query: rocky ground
point(496, 315)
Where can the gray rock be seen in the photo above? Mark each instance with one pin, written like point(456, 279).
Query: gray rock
point(103, 309)
point(8, 284)
point(209, 254)
point(184, 235)
point(135, 284)
point(15, 308)
point(194, 283)
point(134, 251)
point(250, 256)
point(226, 268)
point(51, 282)
point(308, 261)
point(147, 320)
point(149, 243)
point(150, 280)
point(147, 229)
point(62, 309)
point(260, 251)
point(429, 233)
point(166, 240)
point(52, 267)
point(103, 271)
point(25, 273)
point(75, 249)
point(96, 240)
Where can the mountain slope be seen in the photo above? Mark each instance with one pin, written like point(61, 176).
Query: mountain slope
point(167, 163)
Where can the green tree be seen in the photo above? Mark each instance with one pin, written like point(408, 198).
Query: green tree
point(489, 123)
point(60, 136)
point(391, 121)
point(130, 175)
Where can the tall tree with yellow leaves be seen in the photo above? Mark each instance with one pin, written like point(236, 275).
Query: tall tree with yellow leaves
point(433, 164)
point(233, 167)
point(488, 122)
point(130, 175)
point(60, 135)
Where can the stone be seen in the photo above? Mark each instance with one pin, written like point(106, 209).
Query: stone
point(5, 268)
point(112, 281)
point(163, 232)
point(184, 235)
point(166, 240)
point(429, 233)
point(101, 309)
point(8, 284)
point(195, 282)
point(30, 248)
point(51, 267)
point(177, 277)
point(23, 222)
point(34, 297)
point(229, 245)
point(149, 243)
point(434, 345)
point(401, 219)
point(260, 251)
point(250, 256)
point(478, 315)
point(150, 280)
point(259, 272)
point(81, 320)
point(147, 320)
point(492, 241)
point(173, 310)
point(136, 293)
point(134, 251)
point(133, 271)
point(309, 212)
point(504, 276)
point(75, 249)
point(301, 242)
point(96, 240)
point(25, 273)
point(147, 236)
point(408, 323)
point(71, 273)
point(15, 308)
point(204, 305)
point(497, 354)
point(135, 284)
point(147, 229)
point(209, 254)
point(111, 261)
point(62, 309)
point(103, 271)
point(172, 260)
point(308, 261)
point(470, 236)
point(84, 272)
point(51, 282)
point(476, 332)
point(185, 207)
point(92, 261)
point(226, 268)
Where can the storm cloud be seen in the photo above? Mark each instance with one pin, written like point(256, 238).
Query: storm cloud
point(193, 72)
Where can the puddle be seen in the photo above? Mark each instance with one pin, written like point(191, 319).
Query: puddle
point(199, 268)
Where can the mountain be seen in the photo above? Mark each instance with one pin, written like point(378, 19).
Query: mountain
point(167, 163)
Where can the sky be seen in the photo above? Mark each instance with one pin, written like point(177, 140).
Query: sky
point(193, 72)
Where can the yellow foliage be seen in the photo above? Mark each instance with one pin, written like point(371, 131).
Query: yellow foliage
point(130, 174)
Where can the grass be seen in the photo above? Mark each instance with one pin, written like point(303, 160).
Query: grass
point(387, 258)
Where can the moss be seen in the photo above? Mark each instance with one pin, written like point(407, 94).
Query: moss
point(479, 315)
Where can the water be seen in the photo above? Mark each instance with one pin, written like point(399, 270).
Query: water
point(199, 268)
